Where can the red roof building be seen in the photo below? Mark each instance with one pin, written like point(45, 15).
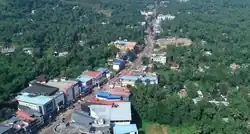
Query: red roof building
point(93, 74)
point(25, 115)
point(104, 102)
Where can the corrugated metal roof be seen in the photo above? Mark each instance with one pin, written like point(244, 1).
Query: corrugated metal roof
point(104, 102)
point(38, 100)
point(93, 74)
point(107, 95)
point(130, 78)
point(120, 113)
point(84, 78)
point(124, 129)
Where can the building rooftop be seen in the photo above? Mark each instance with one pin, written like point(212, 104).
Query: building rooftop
point(37, 88)
point(130, 78)
point(62, 85)
point(125, 129)
point(101, 69)
point(83, 119)
point(4, 128)
point(25, 115)
point(151, 78)
point(93, 74)
point(117, 61)
point(107, 95)
point(29, 111)
point(104, 102)
point(84, 78)
point(117, 112)
point(41, 78)
point(33, 99)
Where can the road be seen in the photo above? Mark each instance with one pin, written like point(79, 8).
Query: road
point(147, 51)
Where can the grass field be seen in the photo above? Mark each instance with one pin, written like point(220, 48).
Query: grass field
point(154, 128)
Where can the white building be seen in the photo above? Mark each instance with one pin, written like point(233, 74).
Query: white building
point(160, 59)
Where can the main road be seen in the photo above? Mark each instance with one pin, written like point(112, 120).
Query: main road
point(147, 51)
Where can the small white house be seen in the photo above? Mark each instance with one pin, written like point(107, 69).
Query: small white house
point(160, 59)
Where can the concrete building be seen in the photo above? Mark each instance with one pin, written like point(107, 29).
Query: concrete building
point(159, 58)
point(131, 80)
point(98, 77)
point(83, 123)
point(125, 129)
point(40, 103)
point(70, 88)
point(118, 114)
point(118, 64)
point(52, 92)
point(85, 80)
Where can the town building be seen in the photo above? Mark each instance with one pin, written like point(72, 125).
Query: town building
point(40, 103)
point(125, 45)
point(131, 80)
point(98, 77)
point(118, 114)
point(118, 64)
point(52, 92)
point(70, 88)
point(107, 96)
point(82, 122)
point(85, 80)
point(125, 129)
point(39, 117)
point(159, 58)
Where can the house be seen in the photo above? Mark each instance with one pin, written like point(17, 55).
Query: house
point(159, 58)
point(98, 77)
point(85, 80)
point(125, 129)
point(125, 45)
point(118, 64)
point(52, 92)
point(40, 103)
point(104, 102)
point(39, 117)
point(103, 70)
point(5, 129)
point(70, 88)
point(118, 114)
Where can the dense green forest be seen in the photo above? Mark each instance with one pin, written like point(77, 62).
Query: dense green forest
point(219, 30)
point(83, 28)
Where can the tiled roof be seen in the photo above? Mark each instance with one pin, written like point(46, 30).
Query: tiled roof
point(93, 74)
point(104, 102)
point(131, 44)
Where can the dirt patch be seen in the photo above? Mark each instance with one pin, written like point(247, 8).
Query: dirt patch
point(156, 129)
point(164, 42)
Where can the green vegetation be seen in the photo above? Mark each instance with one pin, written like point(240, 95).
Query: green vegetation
point(83, 28)
point(219, 30)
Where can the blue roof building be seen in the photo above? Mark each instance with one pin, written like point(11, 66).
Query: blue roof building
point(107, 95)
point(103, 70)
point(118, 62)
point(144, 79)
point(40, 103)
point(122, 43)
point(125, 129)
point(33, 99)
